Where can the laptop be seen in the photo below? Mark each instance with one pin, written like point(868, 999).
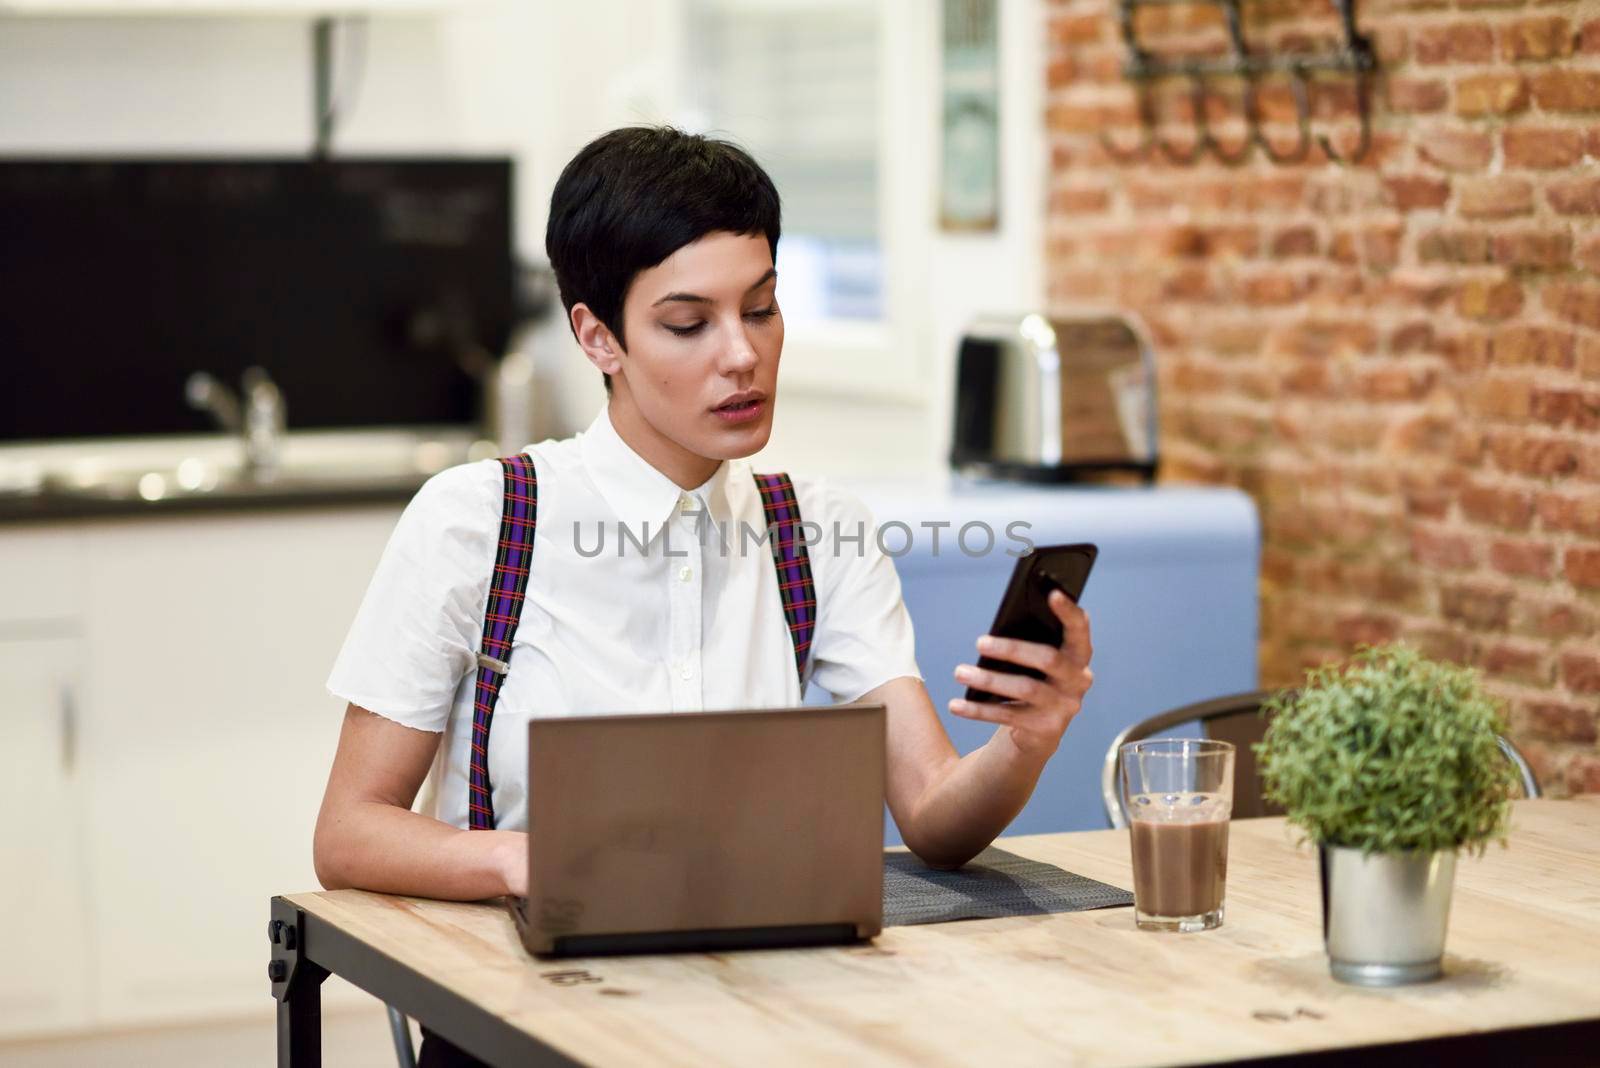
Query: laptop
point(693, 831)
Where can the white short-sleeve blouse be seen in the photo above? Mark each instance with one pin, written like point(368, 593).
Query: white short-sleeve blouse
point(642, 598)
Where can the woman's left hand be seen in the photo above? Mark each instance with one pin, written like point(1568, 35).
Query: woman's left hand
point(1036, 711)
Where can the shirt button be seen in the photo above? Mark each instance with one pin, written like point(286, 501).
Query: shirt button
point(686, 503)
point(687, 673)
point(685, 574)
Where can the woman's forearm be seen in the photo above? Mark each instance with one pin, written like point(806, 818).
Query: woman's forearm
point(383, 847)
point(976, 797)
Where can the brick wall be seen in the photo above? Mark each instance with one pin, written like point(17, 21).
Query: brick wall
point(1399, 360)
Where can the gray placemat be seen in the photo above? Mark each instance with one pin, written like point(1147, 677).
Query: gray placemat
point(994, 883)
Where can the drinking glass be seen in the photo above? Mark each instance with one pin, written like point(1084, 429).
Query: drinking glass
point(1179, 796)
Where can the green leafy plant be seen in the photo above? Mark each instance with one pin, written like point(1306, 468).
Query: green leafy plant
point(1387, 753)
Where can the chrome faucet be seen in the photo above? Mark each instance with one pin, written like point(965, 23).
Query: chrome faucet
point(259, 420)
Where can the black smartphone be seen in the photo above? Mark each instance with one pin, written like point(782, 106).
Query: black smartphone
point(1025, 609)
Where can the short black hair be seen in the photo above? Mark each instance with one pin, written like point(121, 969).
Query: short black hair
point(634, 196)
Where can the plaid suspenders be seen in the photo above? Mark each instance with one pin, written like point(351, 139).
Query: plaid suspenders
point(509, 584)
point(793, 562)
point(507, 587)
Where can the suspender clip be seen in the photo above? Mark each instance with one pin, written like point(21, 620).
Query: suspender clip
point(499, 667)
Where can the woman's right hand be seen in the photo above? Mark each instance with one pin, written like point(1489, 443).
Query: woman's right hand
point(368, 837)
point(513, 857)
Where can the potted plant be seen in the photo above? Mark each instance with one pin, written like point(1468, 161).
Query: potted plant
point(1391, 764)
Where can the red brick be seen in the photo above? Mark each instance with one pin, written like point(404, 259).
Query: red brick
point(1229, 241)
point(1577, 513)
point(1565, 621)
point(1537, 38)
point(1070, 287)
point(1561, 722)
point(1583, 567)
point(1500, 398)
point(1391, 43)
point(1518, 661)
point(1541, 457)
point(1490, 94)
point(1366, 628)
point(1476, 605)
point(1559, 407)
point(1534, 248)
point(1459, 42)
point(1100, 65)
point(1494, 198)
point(1059, 72)
point(1380, 245)
point(1391, 383)
point(1567, 89)
point(1270, 191)
point(1589, 357)
point(1442, 549)
point(1429, 494)
point(1542, 149)
point(1439, 643)
point(1080, 200)
point(1559, 619)
point(1190, 378)
point(1070, 30)
point(1412, 337)
point(1409, 192)
point(1517, 344)
point(1344, 248)
point(1489, 299)
point(1294, 241)
point(1589, 254)
point(1322, 338)
point(1575, 196)
point(1455, 149)
point(1525, 558)
point(1581, 672)
point(1417, 96)
point(1274, 288)
point(1509, 508)
point(1454, 246)
point(1574, 302)
point(1467, 446)
point(1235, 337)
point(1189, 283)
point(1583, 775)
point(1589, 37)
point(1469, 353)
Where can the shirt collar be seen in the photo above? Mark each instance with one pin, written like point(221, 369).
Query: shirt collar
point(636, 491)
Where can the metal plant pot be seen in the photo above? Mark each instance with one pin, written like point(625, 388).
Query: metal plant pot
point(1384, 914)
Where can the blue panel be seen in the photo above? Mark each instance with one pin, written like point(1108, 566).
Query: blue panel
point(1172, 602)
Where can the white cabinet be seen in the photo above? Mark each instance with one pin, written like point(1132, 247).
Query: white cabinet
point(164, 742)
point(44, 984)
point(211, 736)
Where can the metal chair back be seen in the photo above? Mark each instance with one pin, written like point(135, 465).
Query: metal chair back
point(1236, 718)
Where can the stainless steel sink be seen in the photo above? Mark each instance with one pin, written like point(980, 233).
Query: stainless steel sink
point(312, 473)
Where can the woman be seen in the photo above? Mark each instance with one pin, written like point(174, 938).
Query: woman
point(663, 244)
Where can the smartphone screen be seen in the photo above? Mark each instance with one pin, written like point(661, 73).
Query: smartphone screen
point(1024, 611)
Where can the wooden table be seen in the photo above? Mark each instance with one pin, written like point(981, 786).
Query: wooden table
point(1522, 975)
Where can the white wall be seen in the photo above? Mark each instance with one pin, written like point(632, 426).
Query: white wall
point(537, 79)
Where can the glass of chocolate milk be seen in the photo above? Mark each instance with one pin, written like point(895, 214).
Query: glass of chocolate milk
point(1179, 795)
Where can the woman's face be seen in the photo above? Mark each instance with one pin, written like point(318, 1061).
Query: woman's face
point(699, 378)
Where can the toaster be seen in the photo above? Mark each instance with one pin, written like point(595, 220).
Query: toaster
point(1057, 399)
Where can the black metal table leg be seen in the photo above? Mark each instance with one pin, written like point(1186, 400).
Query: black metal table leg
point(297, 985)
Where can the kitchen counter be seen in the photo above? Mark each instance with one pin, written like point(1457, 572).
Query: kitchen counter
point(206, 473)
